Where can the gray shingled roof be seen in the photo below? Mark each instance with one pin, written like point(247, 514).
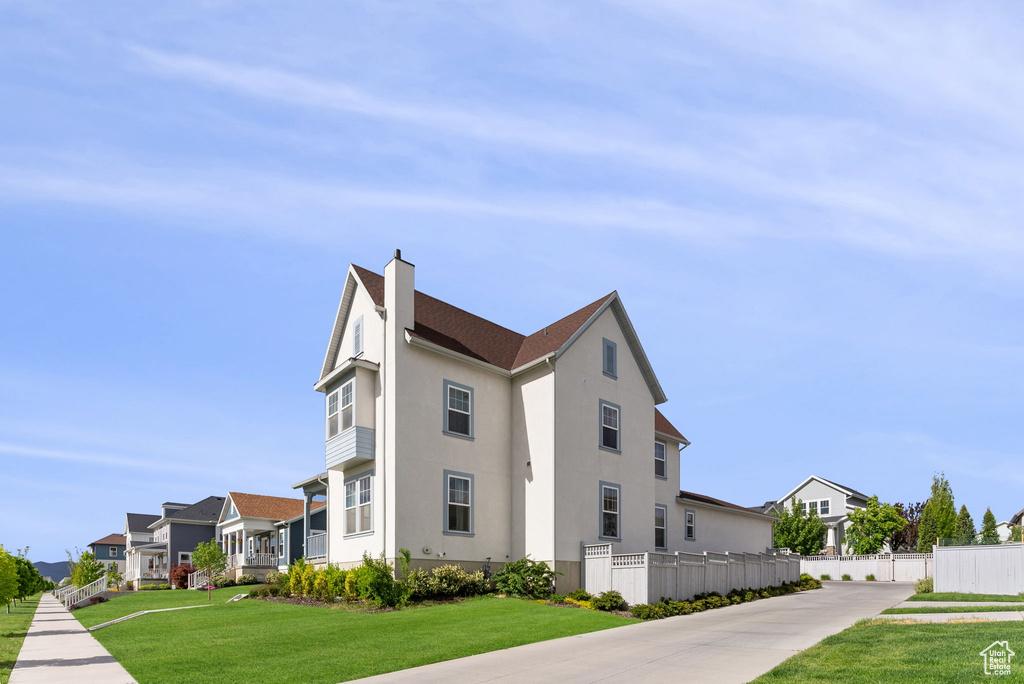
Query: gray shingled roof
point(140, 522)
point(207, 510)
point(850, 489)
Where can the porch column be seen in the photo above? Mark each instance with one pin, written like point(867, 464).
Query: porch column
point(830, 540)
point(241, 534)
point(305, 523)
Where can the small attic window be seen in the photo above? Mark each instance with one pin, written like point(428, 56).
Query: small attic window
point(610, 358)
point(357, 337)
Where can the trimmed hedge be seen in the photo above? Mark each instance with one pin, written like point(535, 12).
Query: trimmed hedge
point(710, 600)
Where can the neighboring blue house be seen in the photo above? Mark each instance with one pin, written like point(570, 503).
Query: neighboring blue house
point(109, 550)
point(176, 533)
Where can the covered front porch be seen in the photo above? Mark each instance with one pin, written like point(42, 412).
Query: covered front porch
point(147, 564)
point(314, 541)
point(251, 549)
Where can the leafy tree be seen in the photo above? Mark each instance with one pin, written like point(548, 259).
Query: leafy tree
point(86, 569)
point(870, 527)
point(8, 578)
point(907, 537)
point(797, 531)
point(938, 519)
point(1017, 533)
point(210, 559)
point(989, 534)
point(965, 525)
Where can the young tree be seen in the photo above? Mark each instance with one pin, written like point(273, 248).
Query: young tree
point(870, 527)
point(1017, 533)
point(907, 537)
point(989, 534)
point(800, 532)
point(114, 576)
point(211, 560)
point(965, 526)
point(86, 569)
point(938, 519)
point(8, 578)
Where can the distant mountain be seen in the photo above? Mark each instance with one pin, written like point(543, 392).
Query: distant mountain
point(55, 571)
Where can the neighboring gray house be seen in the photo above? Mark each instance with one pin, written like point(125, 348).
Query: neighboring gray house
point(831, 501)
point(174, 536)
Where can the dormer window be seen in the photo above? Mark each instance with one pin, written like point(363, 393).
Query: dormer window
point(340, 409)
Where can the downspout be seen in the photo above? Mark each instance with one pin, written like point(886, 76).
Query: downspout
point(383, 313)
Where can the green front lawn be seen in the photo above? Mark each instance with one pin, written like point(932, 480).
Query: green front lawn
point(12, 633)
point(951, 596)
point(880, 651)
point(950, 609)
point(258, 641)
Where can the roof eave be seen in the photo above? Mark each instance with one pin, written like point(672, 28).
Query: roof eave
point(716, 507)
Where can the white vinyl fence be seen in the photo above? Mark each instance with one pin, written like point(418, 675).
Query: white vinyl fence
point(997, 569)
point(71, 596)
point(886, 567)
point(648, 577)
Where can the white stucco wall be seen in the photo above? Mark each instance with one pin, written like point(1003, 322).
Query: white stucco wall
point(717, 529)
point(532, 520)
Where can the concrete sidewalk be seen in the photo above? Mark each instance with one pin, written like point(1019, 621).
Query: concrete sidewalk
point(958, 604)
point(59, 650)
point(734, 644)
point(995, 616)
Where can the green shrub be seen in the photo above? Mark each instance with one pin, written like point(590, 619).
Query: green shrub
point(349, 592)
point(870, 578)
point(924, 586)
point(847, 578)
point(525, 577)
point(275, 577)
point(557, 598)
point(808, 582)
point(589, 605)
point(154, 587)
point(648, 611)
point(220, 582)
point(308, 580)
point(610, 600)
point(382, 589)
point(826, 577)
point(265, 591)
point(580, 595)
point(295, 574)
point(247, 579)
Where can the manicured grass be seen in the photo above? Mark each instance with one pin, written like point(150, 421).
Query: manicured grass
point(901, 653)
point(12, 633)
point(119, 606)
point(951, 609)
point(258, 641)
point(951, 596)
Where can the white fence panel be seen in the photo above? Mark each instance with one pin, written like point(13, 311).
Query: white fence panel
point(629, 577)
point(737, 570)
point(900, 567)
point(690, 575)
point(662, 576)
point(717, 573)
point(997, 569)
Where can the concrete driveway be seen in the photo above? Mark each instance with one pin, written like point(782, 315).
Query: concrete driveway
point(734, 644)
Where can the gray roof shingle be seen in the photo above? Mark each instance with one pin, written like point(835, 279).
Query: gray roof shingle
point(207, 510)
point(140, 522)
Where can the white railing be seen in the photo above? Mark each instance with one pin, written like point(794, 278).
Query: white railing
point(61, 592)
point(316, 546)
point(197, 580)
point(89, 590)
point(261, 560)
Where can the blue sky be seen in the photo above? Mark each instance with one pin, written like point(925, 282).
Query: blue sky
point(811, 211)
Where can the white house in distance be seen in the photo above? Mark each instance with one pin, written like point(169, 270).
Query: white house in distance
point(831, 501)
point(466, 442)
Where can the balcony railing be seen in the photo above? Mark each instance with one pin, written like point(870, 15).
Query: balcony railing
point(253, 560)
point(316, 546)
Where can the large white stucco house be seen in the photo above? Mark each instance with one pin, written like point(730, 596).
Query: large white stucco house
point(466, 442)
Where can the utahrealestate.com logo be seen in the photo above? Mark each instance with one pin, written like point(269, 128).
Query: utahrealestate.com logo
point(997, 658)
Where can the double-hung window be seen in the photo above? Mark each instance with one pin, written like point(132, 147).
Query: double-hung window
point(458, 410)
point(280, 543)
point(340, 409)
point(660, 527)
point(660, 471)
point(611, 432)
point(610, 511)
point(358, 504)
point(812, 507)
point(691, 525)
point(824, 505)
point(458, 503)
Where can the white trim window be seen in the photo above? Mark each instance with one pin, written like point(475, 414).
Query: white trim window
point(691, 525)
point(812, 507)
point(358, 505)
point(113, 552)
point(184, 557)
point(341, 409)
point(660, 527)
point(280, 543)
point(660, 464)
point(460, 410)
point(824, 506)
